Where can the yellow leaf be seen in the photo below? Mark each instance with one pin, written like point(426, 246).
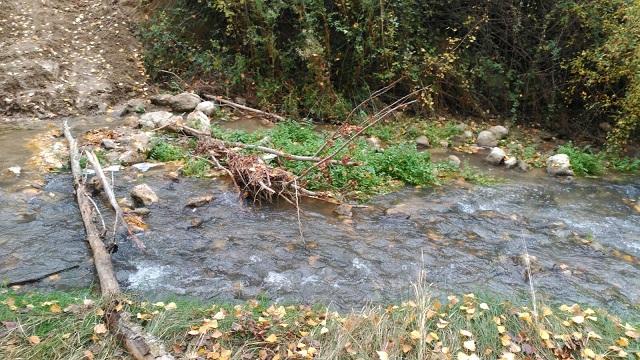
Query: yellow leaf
point(193, 332)
point(100, 329)
point(578, 319)
point(544, 335)
point(431, 337)
point(216, 334)
point(469, 345)
point(484, 306)
point(158, 304)
point(507, 356)
point(501, 329)
point(623, 341)
point(415, 335)
point(505, 340)
point(170, 306)
point(525, 316)
point(271, 338)
point(55, 308)
point(382, 355)
point(324, 330)
point(632, 334)
point(589, 353)
point(219, 315)
point(546, 311)
point(406, 348)
point(466, 333)
point(34, 340)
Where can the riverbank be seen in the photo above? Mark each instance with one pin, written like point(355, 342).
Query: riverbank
point(70, 326)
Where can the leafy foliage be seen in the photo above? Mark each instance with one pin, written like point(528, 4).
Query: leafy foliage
point(583, 161)
point(164, 151)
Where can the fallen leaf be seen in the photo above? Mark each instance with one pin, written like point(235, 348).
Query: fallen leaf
point(170, 306)
point(34, 339)
point(466, 333)
point(622, 341)
point(382, 355)
point(415, 335)
point(544, 335)
point(271, 338)
point(100, 329)
point(578, 319)
point(484, 306)
point(55, 308)
point(469, 345)
point(589, 353)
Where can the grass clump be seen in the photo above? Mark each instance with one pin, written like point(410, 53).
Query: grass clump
point(583, 161)
point(423, 327)
point(196, 168)
point(164, 151)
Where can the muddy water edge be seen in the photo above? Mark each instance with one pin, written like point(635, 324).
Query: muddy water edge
point(583, 238)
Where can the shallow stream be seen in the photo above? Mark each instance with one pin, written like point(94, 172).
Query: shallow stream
point(583, 238)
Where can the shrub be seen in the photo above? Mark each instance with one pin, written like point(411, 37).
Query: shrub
point(583, 161)
point(164, 151)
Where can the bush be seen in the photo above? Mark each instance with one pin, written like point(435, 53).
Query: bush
point(163, 151)
point(583, 161)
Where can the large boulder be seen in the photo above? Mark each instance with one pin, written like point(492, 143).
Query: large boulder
point(155, 119)
point(199, 121)
point(207, 107)
point(559, 165)
point(496, 156)
point(144, 194)
point(161, 99)
point(454, 160)
point(184, 102)
point(487, 139)
point(499, 131)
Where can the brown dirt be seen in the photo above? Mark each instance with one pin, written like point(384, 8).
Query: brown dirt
point(67, 57)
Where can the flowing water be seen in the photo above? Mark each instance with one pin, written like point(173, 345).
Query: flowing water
point(583, 238)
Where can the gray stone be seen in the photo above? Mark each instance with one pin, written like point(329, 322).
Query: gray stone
point(142, 211)
point(161, 99)
point(207, 107)
point(454, 160)
point(140, 142)
point(109, 144)
point(444, 143)
point(199, 121)
point(15, 170)
point(523, 166)
point(559, 165)
point(487, 139)
point(199, 201)
point(131, 121)
point(125, 203)
point(134, 106)
point(510, 162)
point(499, 131)
point(374, 142)
point(184, 102)
point(130, 157)
point(423, 141)
point(344, 210)
point(496, 156)
point(144, 194)
point(155, 119)
point(461, 127)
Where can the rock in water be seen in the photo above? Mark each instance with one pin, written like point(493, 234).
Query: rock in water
point(423, 141)
point(155, 119)
point(144, 194)
point(184, 102)
point(207, 107)
point(199, 201)
point(134, 106)
point(487, 139)
point(559, 165)
point(496, 156)
point(199, 121)
point(344, 210)
point(510, 162)
point(454, 160)
point(499, 131)
point(523, 166)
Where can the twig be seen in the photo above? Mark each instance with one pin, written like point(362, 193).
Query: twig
point(295, 186)
point(243, 107)
point(112, 197)
point(95, 206)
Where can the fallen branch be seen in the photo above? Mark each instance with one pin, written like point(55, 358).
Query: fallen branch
point(112, 198)
point(220, 99)
point(39, 277)
point(141, 345)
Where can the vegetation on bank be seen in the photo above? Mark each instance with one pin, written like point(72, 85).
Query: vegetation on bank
point(567, 65)
point(70, 326)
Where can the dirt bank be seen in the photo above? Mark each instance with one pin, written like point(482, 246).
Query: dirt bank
point(67, 57)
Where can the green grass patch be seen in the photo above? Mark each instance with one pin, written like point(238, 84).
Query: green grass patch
point(162, 150)
point(583, 161)
point(196, 168)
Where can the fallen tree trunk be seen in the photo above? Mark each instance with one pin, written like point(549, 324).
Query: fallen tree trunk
point(141, 345)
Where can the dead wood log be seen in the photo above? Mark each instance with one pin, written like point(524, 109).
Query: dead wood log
point(112, 198)
point(141, 345)
point(243, 107)
point(101, 258)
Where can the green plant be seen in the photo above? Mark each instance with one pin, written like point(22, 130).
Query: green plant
point(583, 161)
point(196, 168)
point(164, 151)
point(625, 164)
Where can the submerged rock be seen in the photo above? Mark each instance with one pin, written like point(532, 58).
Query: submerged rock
point(499, 131)
point(510, 162)
point(198, 201)
point(487, 139)
point(454, 160)
point(144, 194)
point(344, 210)
point(184, 102)
point(559, 165)
point(496, 156)
point(134, 106)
